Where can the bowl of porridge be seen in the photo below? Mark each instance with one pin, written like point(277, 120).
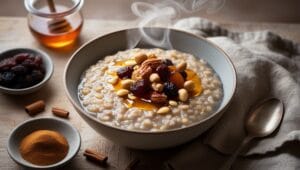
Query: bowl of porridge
point(150, 97)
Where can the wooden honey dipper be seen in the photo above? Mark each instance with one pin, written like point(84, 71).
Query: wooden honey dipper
point(57, 25)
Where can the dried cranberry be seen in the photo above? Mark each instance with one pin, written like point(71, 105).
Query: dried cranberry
point(183, 74)
point(168, 62)
point(163, 72)
point(140, 88)
point(125, 72)
point(170, 90)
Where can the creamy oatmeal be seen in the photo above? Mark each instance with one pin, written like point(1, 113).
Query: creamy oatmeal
point(150, 89)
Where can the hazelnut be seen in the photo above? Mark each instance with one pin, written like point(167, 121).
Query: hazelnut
point(181, 66)
point(189, 85)
point(140, 58)
point(183, 95)
point(154, 77)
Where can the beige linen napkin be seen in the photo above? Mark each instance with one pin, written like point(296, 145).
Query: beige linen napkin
point(267, 66)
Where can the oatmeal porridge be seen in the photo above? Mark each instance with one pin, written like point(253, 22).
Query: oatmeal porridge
point(150, 89)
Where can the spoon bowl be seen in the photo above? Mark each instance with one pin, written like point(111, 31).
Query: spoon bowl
point(265, 118)
point(260, 122)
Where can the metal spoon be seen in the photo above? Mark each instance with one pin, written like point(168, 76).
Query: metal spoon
point(260, 122)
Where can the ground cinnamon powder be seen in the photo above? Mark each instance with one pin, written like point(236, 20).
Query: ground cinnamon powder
point(44, 147)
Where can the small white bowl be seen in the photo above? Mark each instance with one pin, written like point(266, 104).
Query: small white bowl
point(27, 127)
point(47, 63)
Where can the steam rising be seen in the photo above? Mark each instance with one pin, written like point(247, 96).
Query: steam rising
point(165, 13)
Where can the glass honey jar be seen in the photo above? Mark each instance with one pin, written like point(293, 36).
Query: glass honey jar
point(55, 23)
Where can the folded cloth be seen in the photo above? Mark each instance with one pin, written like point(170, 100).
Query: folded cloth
point(267, 66)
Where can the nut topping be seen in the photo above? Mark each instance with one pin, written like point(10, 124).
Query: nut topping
point(154, 77)
point(140, 58)
point(183, 95)
point(158, 97)
point(163, 110)
point(189, 85)
point(181, 66)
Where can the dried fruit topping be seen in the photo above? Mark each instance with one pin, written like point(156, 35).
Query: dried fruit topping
point(22, 70)
point(163, 72)
point(170, 89)
point(177, 79)
point(140, 88)
point(125, 72)
point(158, 98)
point(184, 74)
point(168, 62)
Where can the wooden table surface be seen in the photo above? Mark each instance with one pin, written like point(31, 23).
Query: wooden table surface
point(14, 33)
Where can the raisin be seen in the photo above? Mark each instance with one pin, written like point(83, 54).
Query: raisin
point(19, 58)
point(163, 72)
point(170, 90)
point(140, 88)
point(37, 76)
point(168, 62)
point(125, 72)
point(19, 69)
point(7, 78)
point(7, 63)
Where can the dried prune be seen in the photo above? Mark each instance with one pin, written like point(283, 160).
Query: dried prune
point(125, 72)
point(140, 88)
point(163, 72)
point(170, 89)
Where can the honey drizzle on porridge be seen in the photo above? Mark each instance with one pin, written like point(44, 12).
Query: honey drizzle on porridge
point(146, 104)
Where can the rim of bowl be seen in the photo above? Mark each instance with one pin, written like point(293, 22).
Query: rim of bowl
point(151, 132)
point(30, 165)
point(46, 78)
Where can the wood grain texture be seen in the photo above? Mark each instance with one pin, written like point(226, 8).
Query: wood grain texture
point(14, 33)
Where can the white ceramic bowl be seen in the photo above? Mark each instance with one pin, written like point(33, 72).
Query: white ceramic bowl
point(47, 63)
point(27, 127)
point(109, 44)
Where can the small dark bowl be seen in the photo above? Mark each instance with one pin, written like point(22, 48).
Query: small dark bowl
point(48, 66)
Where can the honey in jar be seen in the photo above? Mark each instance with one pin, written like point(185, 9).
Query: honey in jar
point(55, 23)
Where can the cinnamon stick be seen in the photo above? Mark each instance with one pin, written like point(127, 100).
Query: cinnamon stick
point(95, 156)
point(60, 112)
point(35, 108)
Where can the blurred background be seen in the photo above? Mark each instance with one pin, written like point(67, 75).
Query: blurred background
point(233, 10)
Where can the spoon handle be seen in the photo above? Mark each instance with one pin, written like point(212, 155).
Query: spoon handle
point(232, 158)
